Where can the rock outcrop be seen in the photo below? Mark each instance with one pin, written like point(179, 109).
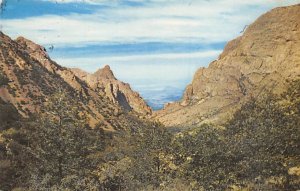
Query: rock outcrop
point(103, 80)
point(29, 78)
point(263, 59)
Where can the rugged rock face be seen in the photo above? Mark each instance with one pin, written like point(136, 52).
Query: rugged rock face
point(29, 77)
point(263, 59)
point(103, 80)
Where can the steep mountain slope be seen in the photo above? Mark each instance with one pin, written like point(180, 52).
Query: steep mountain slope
point(104, 80)
point(31, 77)
point(263, 59)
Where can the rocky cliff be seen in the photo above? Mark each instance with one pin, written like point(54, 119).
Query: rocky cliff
point(263, 59)
point(103, 80)
point(29, 78)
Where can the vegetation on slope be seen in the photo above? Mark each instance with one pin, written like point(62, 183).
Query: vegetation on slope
point(258, 149)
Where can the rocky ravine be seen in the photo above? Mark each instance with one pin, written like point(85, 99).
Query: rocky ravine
point(263, 59)
point(103, 80)
point(32, 78)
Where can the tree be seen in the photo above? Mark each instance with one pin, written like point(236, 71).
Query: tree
point(137, 160)
point(264, 137)
point(56, 148)
point(152, 147)
point(3, 79)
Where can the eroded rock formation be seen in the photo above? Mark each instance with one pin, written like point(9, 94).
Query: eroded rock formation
point(262, 60)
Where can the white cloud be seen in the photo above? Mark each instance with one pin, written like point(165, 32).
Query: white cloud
point(206, 21)
point(135, 68)
point(77, 1)
point(71, 62)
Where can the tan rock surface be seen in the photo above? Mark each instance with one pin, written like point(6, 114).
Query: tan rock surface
point(103, 80)
point(261, 60)
point(34, 77)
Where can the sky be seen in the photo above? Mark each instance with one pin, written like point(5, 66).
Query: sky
point(155, 45)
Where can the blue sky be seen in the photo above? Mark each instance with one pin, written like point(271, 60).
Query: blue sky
point(148, 43)
point(92, 28)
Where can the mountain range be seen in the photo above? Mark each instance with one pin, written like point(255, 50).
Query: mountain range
point(245, 69)
point(32, 78)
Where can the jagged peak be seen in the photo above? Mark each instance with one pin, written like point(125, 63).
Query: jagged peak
point(107, 67)
point(2, 34)
point(4, 37)
point(117, 91)
point(30, 45)
point(24, 40)
point(105, 72)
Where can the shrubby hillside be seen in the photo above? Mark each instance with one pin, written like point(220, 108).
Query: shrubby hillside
point(258, 149)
